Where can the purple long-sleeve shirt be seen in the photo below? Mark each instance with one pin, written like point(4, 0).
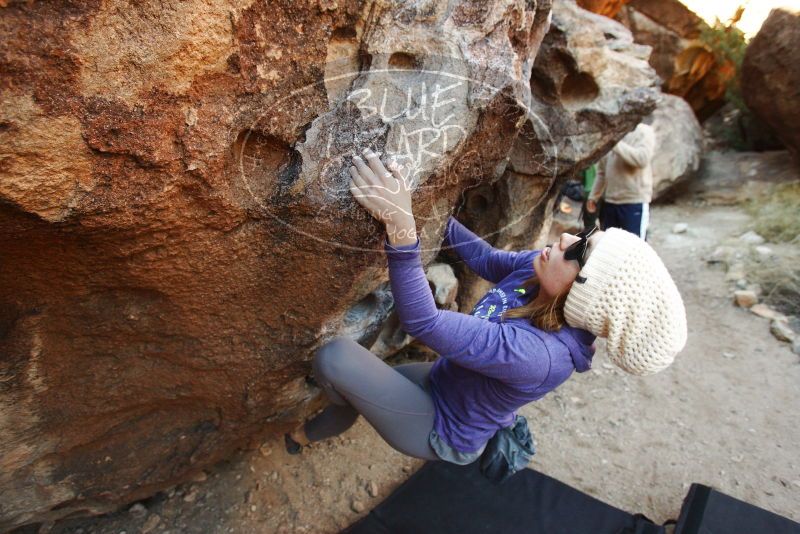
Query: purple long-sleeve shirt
point(487, 369)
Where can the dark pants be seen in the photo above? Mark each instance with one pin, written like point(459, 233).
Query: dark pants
point(589, 219)
point(394, 400)
point(631, 217)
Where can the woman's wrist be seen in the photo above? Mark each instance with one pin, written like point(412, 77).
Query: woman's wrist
point(402, 232)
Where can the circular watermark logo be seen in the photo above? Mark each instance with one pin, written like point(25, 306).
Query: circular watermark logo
point(426, 120)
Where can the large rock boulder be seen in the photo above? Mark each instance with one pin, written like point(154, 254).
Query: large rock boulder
point(667, 26)
point(673, 15)
point(679, 144)
point(770, 76)
point(177, 232)
point(688, 68)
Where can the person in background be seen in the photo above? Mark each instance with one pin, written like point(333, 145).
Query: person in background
point(626, 177)
point(589, 175)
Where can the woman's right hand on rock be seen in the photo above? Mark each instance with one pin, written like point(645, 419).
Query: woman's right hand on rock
point(384, 193)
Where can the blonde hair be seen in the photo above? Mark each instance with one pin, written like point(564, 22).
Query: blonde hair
point(547, 316)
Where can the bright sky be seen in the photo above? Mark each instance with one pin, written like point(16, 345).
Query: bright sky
point(755, 11)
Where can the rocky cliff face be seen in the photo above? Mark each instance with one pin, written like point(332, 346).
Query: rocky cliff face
point(771, 76)
point(176, 228)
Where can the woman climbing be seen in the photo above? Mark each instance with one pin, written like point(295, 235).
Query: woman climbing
point(523, 338)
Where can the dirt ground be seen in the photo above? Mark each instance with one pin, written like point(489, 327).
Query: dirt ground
point(726, 413)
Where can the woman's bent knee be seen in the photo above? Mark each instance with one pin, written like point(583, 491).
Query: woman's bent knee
point(331, 358)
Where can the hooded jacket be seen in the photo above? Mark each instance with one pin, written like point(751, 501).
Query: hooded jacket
point(625, 174)
point(487, 369)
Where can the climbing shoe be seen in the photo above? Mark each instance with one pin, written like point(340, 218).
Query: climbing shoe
point(292, 447)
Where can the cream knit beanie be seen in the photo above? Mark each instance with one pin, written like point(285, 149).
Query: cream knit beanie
point(630, 299)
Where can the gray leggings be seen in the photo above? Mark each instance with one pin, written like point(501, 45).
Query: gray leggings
point(394, 400)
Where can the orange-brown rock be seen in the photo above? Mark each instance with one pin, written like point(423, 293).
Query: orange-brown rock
point(667, 26)
point(688, 67)
point(771, 76)
point(701, 78)
point(671, 14)
point(176, 230)
point(608, 8)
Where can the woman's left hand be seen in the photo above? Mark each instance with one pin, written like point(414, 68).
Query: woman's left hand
point(383, 193)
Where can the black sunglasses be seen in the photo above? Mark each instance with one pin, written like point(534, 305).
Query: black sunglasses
point(577, 250)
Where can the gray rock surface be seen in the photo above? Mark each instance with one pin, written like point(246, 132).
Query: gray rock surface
point(444, 284)
point(728, 177)
point(679, 144)
point(782, 331)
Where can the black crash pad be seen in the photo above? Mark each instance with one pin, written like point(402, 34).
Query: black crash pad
point(445, 498)
point(708, 511)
